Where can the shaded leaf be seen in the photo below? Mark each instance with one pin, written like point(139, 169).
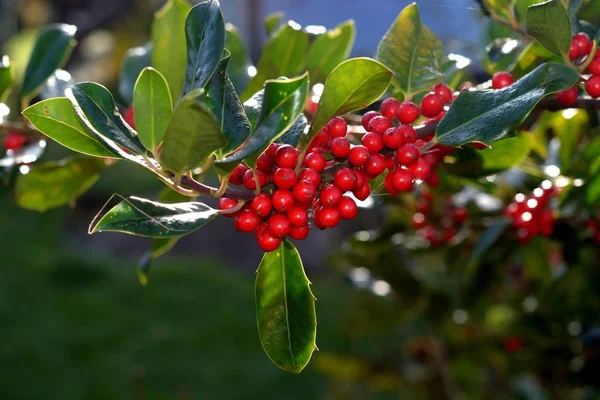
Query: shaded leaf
point(330, 49)
point(532, 57)
point(506, 153)
point(293, 135)
point(272, 22)
point(550, 25)
point(240, 66)
point(135, 61)
point(590, 12)
point(6, 78)
point(489, 237)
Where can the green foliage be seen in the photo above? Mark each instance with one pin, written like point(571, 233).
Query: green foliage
point(6, 78)
point(506, 153)
point(550, 25)
point(135, 61)
point(285, 309)
point(240, 63)
point(501, 54)
point(272, 22)
point(591, 11)
point(330, 49)
point(532, 57)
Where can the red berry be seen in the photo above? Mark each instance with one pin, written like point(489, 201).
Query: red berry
point(250, 182)
point(373, 142)
point(286, 156)
point(568, 97)
point(443, 91)
point(337, 127)
point(321, 138)
point(358, 155)
point(433, 180)
point(402, 180)
point(409, 134)
point(423, 206)
point(278, 225)
point(264, 163)
point(310, 175)
point(459, 215)
point(390, 161)
point(524, 235)
point(594, 67)
point(501, 80)
point(283, 200)
point(408, 154)
point(347, 208)
point(379, 124)
point(420, 170)
point(300, 233)
point(247, 221)
point(367, 117)
point(272, 149)
point(330, 196)
point(376, 164)
point(315, 161)
point(298, 217)
point(592, 86)
point(328, 217)
point(362, 192)
point(267, 241)
point(339, 147)
point(305, 192)
point(408, 112)
point(128, 116)
point(389, 108)
point(393, 138)
point(237, 175)
point(14, 141)
point(389, 186)
point(360, 178)
point(261, 205)
point(345, 179)
point(585, 43)
point(431, 105)
point(284, 178)
point(225, 203)
point(574, 50)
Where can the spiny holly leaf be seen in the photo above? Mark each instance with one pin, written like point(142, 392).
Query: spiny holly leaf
point(352, 85)
point(135, 61)
point(50, 52)
point(550, 25)
point(57, 119)
point(285, 309)
point(141, 217)
point(152, 108)
point(486, 116)
point(329, 50)
point(192, 135)
point(6, 78)
point(240, 65)
point(205, 35)
point(282, 104)
point(54, 184)
point(97, 109)
point(412, 51)
point(283, 55)
point(168, 37)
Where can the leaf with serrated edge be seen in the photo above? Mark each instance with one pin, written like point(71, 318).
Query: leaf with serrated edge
point(550, 25)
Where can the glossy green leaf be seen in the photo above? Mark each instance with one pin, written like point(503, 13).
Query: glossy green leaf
point(532, 57)
point(285, 309)
point(152, 108)
point(272, 22)
point(412, 51)
point(501, 54)
point(192, 135)
point(205, 35)
point(135, 61)
point(141, 217)
point(54, 184)
point(6, 77)
point(168, 37)
point(50, 52)
point(330, 49)
point(97, 109)
point(283, 55)
point(590, 11)
point(222, 100)
point(550, 25)
point(352, 85)
point(282, 104)
point(506, 153)
point(486, 116)
point(240, 65)
point(57, 119)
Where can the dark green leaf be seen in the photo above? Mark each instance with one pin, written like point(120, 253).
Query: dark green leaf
point(97, 109)
point(293, 135)
point(285, 309)
point(501, 54)
point(488, 238)
point(192, 135)
point(55, 184)
point(412, 52)
point(141, 217)
point(532, 57)
point(284, 55)
point(50, 52)
point(591, 11)
point(240, 66)
point(272, 22)
point(168, 37)
point(593, 191)
point(6, 78)
point(57, 119)
point(550, 25)
point(486, 116)
point(330, 49)
point(521, 7)
point(205, 35)
point(135, 61)
point(282, 104)
point(252, 106)
point(152, 108)
point(352, 85)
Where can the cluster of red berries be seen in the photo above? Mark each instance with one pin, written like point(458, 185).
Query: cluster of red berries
point(14, 141)
point(532, 215)
point(437, 227)
point(581, 49)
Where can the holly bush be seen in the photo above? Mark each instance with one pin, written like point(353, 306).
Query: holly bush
point(475, 180)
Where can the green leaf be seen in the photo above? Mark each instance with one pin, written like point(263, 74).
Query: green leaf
point(489, 237)
point(352, 85)
point(96, 108)
point(329, 50)
point(272, 22)
point(486, 116)
point(282, 104)
point(240, 65)
point(284, 54)
point(141, 217)
point(590, 11)
point(152, 108)
point(412, 52)
point(205, 35)
point(521, 7)
point(593, 191)
point(222, 100)
point(506, 153)
point(135, 61)
point(168, 37)
point(6, 78)
point(57, 119)
point(50, 52)
point(501, 54)
point(569, 126)
point(293, 135)
point(285, 309)
point(192, 135)
point(550, 25)
point(532, 57)
point(54, 184)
